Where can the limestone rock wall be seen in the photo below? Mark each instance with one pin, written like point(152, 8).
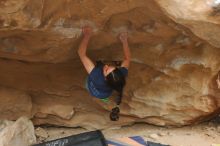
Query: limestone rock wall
point(172, 78)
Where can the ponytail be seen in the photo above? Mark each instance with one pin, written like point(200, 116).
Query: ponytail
point(119, 97)
point(116, 80)
point(114, 115)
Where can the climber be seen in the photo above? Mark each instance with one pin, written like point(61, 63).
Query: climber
point(103, 79)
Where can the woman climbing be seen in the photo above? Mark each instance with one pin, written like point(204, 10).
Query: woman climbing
point(103, 79)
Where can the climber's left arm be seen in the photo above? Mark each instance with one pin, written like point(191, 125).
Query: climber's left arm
point(127, 54)
point(87, 62)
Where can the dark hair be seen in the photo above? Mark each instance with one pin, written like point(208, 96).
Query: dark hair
point(116, 80)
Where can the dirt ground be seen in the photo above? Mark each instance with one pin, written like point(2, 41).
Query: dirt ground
point(204, 134)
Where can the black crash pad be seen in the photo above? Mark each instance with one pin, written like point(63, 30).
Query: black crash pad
point(93, 138)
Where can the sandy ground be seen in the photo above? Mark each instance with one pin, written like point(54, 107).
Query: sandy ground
point(205, 134)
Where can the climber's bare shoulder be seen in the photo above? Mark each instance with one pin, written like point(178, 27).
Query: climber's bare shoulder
point(87, 63)
point(125, 63)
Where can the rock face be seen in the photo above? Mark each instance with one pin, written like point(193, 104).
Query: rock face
point(14, 104)
point(172, 78)
point(202, 17)
point(20, 133)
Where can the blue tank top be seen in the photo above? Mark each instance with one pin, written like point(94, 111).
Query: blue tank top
point(97, 84)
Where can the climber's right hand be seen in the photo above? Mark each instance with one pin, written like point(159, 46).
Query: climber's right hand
point(87, 31)
point(123, 37)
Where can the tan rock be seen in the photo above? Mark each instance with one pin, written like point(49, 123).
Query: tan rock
point(40, 132)
point(21, 133)
point(199, 16)
point(154, 136)
point(4, 124)
point(14, 104)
